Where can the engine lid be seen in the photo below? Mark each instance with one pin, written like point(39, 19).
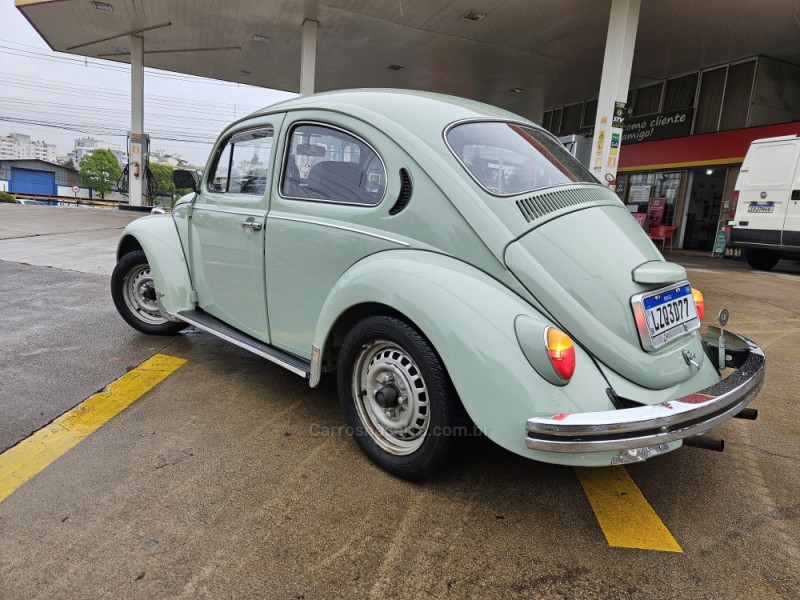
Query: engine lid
point(585, 267)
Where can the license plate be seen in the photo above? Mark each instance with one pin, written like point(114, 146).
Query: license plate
point(665, 314)
point(760, 208)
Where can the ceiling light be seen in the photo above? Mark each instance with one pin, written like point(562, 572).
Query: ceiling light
point(103, 6)
point(473, 16)
point(261, 39)
point(245, 72)
point(709, 171)
point(395, 67)
point(517, 90)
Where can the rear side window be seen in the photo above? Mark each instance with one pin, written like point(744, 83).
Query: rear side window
point(328, 164)
point(508, 159)
point(241, 166)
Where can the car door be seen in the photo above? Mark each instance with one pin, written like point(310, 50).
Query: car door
point(227, 231)
point(322, 220)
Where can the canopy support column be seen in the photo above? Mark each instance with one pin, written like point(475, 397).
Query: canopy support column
point(611, 108)
point(136, 152)
point(309, 57)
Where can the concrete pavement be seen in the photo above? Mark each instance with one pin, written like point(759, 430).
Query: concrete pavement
point(233, 479)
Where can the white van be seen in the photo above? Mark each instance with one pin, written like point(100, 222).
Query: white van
point(767, 202)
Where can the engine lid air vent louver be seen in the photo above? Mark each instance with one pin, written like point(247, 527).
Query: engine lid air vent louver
point(545, 203)
point(405, 193)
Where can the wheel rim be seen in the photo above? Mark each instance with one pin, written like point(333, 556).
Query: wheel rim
point(139, 291)
point(391, 397)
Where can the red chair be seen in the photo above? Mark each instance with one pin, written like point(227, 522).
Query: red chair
point(663, 234)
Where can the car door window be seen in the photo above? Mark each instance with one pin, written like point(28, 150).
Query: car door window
point(241, 165)
point(328, 164)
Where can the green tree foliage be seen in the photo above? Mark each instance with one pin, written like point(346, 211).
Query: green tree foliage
point(100, 171)
point(69, 164)
point(6, 197)
point(162, 176)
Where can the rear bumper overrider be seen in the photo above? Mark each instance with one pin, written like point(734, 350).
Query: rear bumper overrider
point(637, 433)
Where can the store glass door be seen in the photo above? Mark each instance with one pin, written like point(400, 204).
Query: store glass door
point(704, 203)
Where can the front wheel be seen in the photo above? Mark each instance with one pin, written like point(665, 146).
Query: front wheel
point(134, 294)
point(397, 398)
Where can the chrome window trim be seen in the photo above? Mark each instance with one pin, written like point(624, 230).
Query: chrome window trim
point(641, 325)
point(509, 122)
point(285, 159)
point(341, 227)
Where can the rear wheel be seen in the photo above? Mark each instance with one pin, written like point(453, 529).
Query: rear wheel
point(134, 294)
point(397, 398)
point(762, 260)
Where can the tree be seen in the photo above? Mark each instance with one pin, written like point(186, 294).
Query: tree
point(100, 171)
point(69, 164)
point(162, 181)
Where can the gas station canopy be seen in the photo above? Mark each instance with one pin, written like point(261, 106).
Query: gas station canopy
point(523, 55)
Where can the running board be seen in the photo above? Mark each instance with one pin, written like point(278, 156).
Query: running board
point(214, 326)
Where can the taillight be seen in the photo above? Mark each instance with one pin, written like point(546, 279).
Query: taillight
point(561, 353)
point(699, 303)
point(735, 202)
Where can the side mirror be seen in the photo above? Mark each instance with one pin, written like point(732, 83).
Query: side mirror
point(184, 179)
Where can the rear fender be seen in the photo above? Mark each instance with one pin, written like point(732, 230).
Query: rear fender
point(158, 238)
point(469, 319)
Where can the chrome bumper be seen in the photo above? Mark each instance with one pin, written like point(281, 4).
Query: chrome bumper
point(644, 426)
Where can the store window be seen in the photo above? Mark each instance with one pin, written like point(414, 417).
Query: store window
point(652, 197)
point(648, 100)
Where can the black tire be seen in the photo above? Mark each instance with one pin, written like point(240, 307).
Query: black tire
point(397, 398)
point(134, 295)
point(762, 260)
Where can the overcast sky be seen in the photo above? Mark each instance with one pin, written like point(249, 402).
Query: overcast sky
point(58, 97)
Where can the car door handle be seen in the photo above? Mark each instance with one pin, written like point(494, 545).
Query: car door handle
point(254, 225)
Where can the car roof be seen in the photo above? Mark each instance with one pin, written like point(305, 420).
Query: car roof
point(414, 110)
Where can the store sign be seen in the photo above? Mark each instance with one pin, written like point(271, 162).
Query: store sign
point(650, 128)
point(658, 127)
point(620, 112)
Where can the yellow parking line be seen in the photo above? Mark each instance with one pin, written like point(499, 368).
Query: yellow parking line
point(32, 455)
point(625, 516)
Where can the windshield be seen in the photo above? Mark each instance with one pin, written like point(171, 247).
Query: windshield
point(508, 158)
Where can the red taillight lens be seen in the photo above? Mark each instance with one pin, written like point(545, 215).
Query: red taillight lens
point(699, 303)
point(561, 352)
point(734, 204)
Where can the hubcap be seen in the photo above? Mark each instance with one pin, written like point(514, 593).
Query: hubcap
point(391, 397)
point(139, 292)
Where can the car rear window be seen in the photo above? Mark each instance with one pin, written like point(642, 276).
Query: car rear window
point(508, 158)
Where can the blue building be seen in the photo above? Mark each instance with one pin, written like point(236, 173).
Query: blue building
point(37, 177)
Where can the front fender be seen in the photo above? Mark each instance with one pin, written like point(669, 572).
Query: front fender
point(158, 237)
point(469, 318)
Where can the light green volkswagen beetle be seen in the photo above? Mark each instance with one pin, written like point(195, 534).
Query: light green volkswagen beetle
point(455, 267)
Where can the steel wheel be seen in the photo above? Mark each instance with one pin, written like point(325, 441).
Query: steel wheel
point(139, 292)
point(391, 397)
point(397, 398)
point(135, 296)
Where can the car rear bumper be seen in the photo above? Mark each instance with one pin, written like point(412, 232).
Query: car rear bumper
point(656, 425)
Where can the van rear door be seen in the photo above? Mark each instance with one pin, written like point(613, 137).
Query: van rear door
point(765, 184)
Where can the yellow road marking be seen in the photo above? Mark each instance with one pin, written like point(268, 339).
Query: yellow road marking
point(32, 455)
point(625, 516)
